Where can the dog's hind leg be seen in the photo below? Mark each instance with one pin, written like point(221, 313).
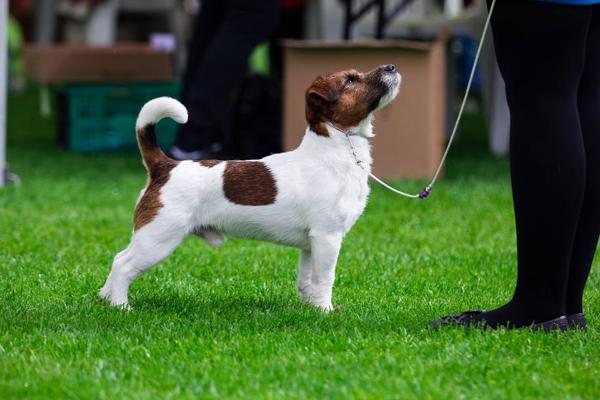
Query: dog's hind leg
point(305, 270)
point(148, 246)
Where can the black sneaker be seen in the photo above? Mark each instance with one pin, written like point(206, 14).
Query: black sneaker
point(577, 321)
point(462, 319)
point(182, 155)
point(469, 319)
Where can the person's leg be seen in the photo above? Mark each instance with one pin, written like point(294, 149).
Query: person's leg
point(541, 50)
point(224, 64)
point(206, 25)
point(588, 230)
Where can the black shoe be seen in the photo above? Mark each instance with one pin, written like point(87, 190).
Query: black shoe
point(557, 324)
point(577, 321)
point(469, 319)
point(462, 319)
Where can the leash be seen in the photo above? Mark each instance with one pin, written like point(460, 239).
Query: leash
point(426, 192)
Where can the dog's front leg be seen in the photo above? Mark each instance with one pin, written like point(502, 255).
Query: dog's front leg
point(324, 254)
point(305, 270)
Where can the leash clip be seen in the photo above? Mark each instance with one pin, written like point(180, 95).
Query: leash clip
point(425, 193)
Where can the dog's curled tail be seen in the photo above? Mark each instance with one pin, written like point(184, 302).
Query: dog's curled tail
point(152, 112)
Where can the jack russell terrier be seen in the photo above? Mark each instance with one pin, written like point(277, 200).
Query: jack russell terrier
point(307, 198)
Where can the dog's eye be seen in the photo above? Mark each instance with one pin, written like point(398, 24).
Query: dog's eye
point(350, 79)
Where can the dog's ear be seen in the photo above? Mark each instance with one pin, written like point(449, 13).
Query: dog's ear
point(320, 98)
point(321, 91)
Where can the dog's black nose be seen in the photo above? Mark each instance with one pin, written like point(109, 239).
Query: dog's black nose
point(389, 68)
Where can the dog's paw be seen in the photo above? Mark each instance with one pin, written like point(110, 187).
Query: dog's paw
point(122, 306)
point(305, 294)
point(325, 308)
point(104, 293)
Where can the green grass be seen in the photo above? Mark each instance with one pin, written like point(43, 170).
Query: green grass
point(227, 323)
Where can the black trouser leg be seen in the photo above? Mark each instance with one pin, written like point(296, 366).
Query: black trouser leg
point(206, 25)
point(586, 238)
point(541, 50)
point(222, 68)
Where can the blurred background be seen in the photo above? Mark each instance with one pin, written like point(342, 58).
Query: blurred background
point(78, 72)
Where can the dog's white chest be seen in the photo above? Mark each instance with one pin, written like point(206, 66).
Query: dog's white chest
point(352, 199)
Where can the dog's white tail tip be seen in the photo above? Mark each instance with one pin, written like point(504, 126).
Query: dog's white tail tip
point(159, 108)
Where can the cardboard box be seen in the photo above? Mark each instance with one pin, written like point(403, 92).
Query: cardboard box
point(409, 132)
point(84, 64)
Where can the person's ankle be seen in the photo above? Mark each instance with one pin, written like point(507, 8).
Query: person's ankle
point(537, 310)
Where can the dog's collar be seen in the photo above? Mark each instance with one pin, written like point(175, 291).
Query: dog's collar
point(347, 134)
point(340, 130)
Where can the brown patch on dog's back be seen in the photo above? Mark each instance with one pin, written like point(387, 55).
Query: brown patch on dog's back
point(249, 183)
point(149, 204)
point(209, 163)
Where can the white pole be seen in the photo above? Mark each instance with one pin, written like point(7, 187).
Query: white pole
point(3, 88)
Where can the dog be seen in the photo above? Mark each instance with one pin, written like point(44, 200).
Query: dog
point(307, 198)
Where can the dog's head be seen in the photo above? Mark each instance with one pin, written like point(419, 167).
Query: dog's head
point(348, 98)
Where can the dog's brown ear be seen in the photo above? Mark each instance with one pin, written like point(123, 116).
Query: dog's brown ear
point(320, 97)
point(321, 91)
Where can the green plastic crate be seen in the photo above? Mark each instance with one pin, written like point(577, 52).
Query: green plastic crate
point(101, 117)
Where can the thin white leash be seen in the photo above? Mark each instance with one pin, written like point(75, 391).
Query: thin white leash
point(426, 192)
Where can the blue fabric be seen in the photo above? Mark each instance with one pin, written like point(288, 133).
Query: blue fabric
point(573, 2)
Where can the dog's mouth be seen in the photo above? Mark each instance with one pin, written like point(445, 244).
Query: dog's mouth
point(390, 86)
point(386, 85)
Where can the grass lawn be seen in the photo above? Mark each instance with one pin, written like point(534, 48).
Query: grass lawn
point(227, 323)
